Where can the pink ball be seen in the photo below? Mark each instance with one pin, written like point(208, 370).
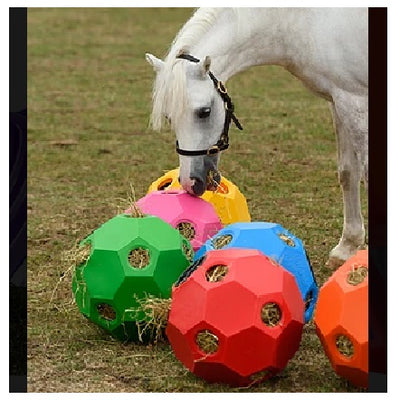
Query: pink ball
point(194, 217)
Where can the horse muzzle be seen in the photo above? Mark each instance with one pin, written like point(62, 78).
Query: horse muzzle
point(196, 184)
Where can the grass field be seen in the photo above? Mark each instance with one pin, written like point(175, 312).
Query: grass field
point(89, 101)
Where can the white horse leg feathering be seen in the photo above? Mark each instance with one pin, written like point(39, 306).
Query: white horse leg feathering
point(326, 48)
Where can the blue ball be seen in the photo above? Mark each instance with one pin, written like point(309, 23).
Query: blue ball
point(278, 244)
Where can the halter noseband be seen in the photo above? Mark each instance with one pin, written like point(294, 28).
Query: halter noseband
point(223, 141)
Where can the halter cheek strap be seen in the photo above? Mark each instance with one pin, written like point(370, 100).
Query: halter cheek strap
point(223, 141)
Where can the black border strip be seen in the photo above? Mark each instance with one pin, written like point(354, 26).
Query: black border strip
point(18, 199)
point(377, 214)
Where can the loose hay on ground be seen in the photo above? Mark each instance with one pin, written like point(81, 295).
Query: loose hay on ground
point(156, 311)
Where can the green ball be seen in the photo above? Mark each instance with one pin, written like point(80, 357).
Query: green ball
point(128, 260)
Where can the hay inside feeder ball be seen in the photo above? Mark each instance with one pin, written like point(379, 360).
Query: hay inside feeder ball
point(357, 275)
point(220, 241)
point(271, 314)
point(216, 273)
point(213, 327)
point(341, 319)
point(279, 245)
point(139, 257)
point(207, 341)
point(345, 346)
point(130, 259)
point(193, 217)
point(186, 229)
point(229, 203)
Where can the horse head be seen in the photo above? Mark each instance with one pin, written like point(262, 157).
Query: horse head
point(198, 108)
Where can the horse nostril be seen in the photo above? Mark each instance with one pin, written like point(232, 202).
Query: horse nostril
point(198, 187)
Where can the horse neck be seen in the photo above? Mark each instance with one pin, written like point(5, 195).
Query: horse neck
point(233, 40)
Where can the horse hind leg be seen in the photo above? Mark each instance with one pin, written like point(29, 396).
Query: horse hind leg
point(350, 120)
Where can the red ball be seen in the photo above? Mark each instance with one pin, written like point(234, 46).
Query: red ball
point(237, 319)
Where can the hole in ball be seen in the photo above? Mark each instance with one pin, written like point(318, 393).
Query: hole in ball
point(139, 257)
point(344, 346)
point(221, 241)
point(207, 341)
point(308, 299)
point(288, 240)
point(186, 229)
point(164, 184)
point(271, 314)
point(357, 274)
point(222, 188)
point(216, 273)
point(106, 311)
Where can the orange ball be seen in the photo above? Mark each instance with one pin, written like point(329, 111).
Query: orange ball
point(341, 318)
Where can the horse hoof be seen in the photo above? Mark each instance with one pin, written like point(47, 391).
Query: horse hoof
point(334, 262)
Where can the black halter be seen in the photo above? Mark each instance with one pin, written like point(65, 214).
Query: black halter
point(223, 141)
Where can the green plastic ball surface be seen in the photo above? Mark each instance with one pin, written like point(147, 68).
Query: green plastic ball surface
point(130, 258)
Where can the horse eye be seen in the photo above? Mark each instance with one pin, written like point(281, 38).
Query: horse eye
point(203, 112)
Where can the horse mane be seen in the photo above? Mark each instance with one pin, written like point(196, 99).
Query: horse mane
point(169, 91)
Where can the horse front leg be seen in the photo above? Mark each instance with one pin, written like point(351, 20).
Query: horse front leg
point(352, 162)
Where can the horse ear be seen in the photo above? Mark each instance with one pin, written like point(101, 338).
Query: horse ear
point(155, 62)
point(206, 64)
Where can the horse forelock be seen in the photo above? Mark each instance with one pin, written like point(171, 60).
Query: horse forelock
point(169, 92)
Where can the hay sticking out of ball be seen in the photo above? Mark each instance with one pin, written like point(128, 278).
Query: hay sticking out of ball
point(186, 229)
point(207, 342)
point(73, 258)
point(260, 376)
point(188, 250)
point(212, 181)
point(78, 255)
point(289, 241)
point(82, 253)
point(155, 319)
point(221, 241)
point(106, 311)
point(216, 273)
point(271, 314)
point(222, 188)
point(139, 257)
point(135, 211)
point(344, 346)
point(357, 275)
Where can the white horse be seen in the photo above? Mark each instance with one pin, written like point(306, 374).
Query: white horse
point(326, 48)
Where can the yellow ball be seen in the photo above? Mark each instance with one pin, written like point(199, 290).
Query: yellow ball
point(228, 201)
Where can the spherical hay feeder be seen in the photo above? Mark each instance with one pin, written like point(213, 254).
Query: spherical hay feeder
point(341, 319)
point(236, 317)
point(275, 242)
point(193, 217)
point(124, 262)
point(229, 203)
